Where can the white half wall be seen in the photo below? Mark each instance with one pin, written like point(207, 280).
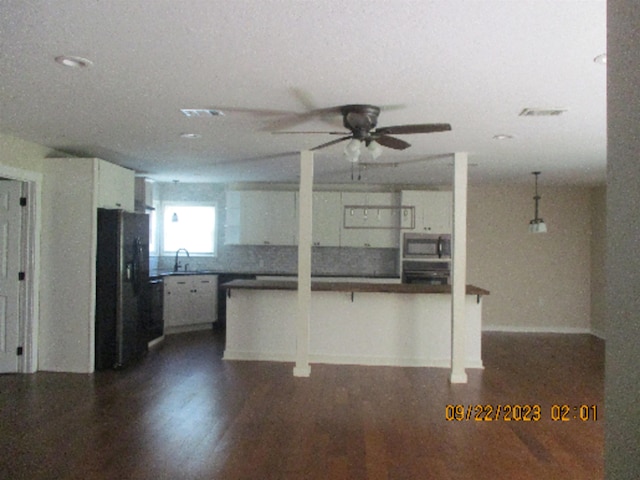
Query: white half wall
point(394, 329)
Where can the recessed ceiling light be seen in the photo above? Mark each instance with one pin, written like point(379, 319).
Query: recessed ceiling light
point(190, 135)
point(502, 136)
point(601, 59)
point(73, 62)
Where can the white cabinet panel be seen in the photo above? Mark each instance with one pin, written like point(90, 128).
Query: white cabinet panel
point(327, 210)
point(190, 300)
point(433, 211)
point(116, 186)
point(260, 218)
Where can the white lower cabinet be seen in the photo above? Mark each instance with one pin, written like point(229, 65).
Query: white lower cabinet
point(190, 301)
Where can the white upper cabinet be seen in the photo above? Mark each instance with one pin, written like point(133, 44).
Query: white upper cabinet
point(116, 186)
point(433, 211)
point(260, 218)
point(327, 210)
point(340, 219)
point(370, 219)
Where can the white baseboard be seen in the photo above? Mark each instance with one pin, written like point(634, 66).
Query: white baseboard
point(188, 328)
point(528, 329)
point(259, 356)
point(348, 360)
point(155, 342)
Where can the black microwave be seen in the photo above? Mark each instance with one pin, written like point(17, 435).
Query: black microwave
point(426, 246)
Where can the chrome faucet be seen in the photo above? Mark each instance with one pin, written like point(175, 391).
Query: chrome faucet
point(176, 265)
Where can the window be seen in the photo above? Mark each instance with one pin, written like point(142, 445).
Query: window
point(153, 232)
point(189, 226)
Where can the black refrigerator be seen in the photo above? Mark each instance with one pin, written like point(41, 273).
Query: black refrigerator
point(122, 288)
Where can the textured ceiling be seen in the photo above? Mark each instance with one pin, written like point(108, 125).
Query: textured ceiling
point(473, 64)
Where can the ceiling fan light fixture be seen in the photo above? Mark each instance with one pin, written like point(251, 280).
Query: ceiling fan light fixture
point(352, 150)
point(375, 149)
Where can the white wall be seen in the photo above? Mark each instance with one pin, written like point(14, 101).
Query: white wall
point(538, 282)
point(67, 294)
point(24, 161)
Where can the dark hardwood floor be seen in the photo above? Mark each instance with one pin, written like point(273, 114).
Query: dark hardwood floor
point(183, 413)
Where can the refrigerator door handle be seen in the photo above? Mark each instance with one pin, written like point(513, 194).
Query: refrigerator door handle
point(134, 275)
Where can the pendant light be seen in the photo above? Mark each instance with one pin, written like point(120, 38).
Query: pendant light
point(537, 225)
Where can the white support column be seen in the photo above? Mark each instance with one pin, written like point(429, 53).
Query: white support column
point(459, 269)
point(305, 216)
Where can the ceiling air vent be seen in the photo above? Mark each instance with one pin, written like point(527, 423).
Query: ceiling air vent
point(201, 112)
point(542, 112)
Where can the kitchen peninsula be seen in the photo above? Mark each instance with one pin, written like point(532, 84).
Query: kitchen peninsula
point(351, 323)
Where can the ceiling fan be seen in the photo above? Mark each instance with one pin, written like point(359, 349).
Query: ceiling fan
point(362, 120)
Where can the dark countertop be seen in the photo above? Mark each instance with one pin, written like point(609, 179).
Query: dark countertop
point(157, 274)
point(348, 287)
point(166, 273)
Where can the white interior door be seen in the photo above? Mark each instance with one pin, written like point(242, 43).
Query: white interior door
point(10, 232)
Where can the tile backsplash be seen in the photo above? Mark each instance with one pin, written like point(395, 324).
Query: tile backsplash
point(331, 261)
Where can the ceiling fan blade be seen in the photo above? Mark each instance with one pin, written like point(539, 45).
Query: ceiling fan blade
point(298, 118)
point(391, 142)
point(420, 128)
point(332, 142)
point(324, 133)
point(258, 112)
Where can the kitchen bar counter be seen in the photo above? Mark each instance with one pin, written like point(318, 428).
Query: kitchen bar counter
point(321, 286)
point(350, 323)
